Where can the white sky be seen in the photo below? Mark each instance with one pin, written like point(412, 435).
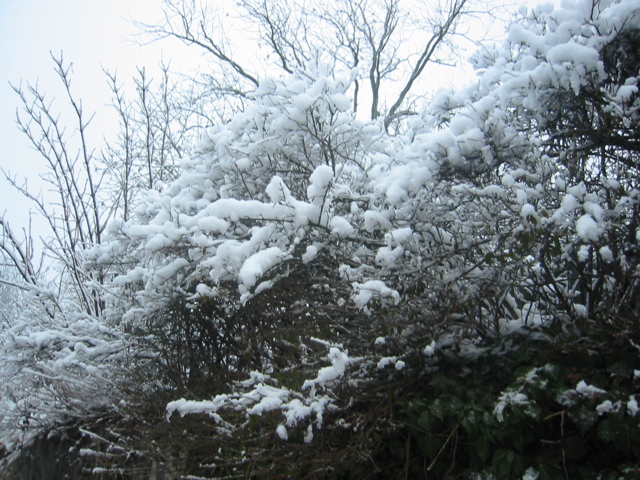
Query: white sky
point(92, 34)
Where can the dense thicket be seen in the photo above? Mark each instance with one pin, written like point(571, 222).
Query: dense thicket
point(450, 293)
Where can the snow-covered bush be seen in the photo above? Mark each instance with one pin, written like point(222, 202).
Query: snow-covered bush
point(505, 184)
point(509, 203)
point(304, 259)
point(56, 366)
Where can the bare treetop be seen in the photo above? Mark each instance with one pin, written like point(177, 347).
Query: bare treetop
point(387, 45)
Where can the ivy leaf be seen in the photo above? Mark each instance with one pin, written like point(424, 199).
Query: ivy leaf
point(429, 422)
point(507, 464)
point(483, 447)
point(471, 422)
point(606, 431)
point(430, 445)
point(549, 471)
point(438, 409)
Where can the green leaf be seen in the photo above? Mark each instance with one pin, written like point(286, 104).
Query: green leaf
point(430, 423)
point(483, 447)
point(438, 409)
point(507, 464)
point(452, 405)
point(472, 422)
point(430, 445)
point(518, 440)
point(549, 471)
point(488, 258)
point(502, 463)
point(607, 431)
point(445, 384)
point(534, 411)
point(492, 428)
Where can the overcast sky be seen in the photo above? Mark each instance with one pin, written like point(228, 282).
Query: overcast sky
point(92, 34)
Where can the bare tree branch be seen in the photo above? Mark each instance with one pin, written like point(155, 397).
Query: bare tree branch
point(441, 30)
point(189, 23)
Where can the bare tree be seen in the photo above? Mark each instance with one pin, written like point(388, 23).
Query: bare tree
point(77, 216)
point(17, 255)
point(369, 37)
point(443, 25)
point(195, 24)
point(59, 292)
point(89, 186)
point(157, 125)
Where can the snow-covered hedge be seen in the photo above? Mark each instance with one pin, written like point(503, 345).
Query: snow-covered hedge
point(502, 205)
point(511, 203)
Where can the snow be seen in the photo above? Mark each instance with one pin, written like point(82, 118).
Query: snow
point(578, 191)
point(594, 209)
point(443, 203)
point(365, 292)
point(165, 273)
point(339, 362)
point(388, 257)
point(588, 390)
point(431, 349)
point(584, 253)
point(255, 377)
point(308, 436)
point(574, 53)
point(258, 264)
point(187, 407)
point(385, 362)
point(374, 220)
point(588, 229)
point(569, 203)
point(606, 407)
point(625, 93)
point(340, 101)
point(319, 180)
point(606, 254)
point(506, 399)
point(580, 310)
point(341, 227)
point(263, 398)
point(277, 190)
point(508, 180)
point(157, 242)
point(399, 235)
point(282, 432)
point(527, 211)
point(212, 225)
point(271, 399)
point(310, 253)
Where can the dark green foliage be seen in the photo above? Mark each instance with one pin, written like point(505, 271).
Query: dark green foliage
point(464, 425)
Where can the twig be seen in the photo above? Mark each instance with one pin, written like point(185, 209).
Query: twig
point(455, 429)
